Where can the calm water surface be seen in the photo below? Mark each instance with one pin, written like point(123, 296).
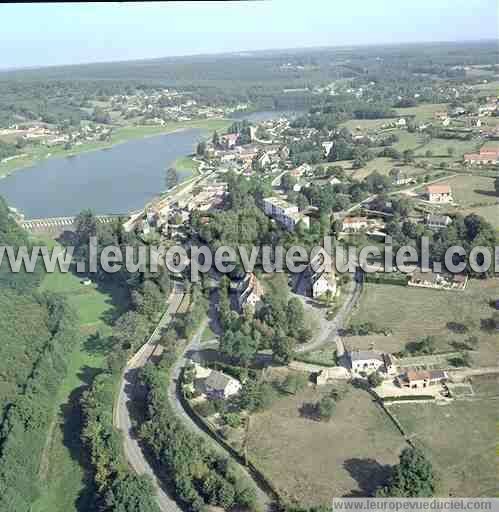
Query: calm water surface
point(114, 180)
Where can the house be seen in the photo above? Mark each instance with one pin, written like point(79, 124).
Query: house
point(401, 178)
point(485, 157)
point(320, 276)
point(354, 224)
point(327, 146)
point(215, 384)
point(263, 160)
point(368, 361)
point(284, 152)
point(285, 213)
point(299, 171)
point(250, 291)
point(229, 141)
point(438, 221)
point(439, 193)
point(401, 123)
point(421, 379)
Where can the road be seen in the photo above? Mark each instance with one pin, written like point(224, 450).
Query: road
point(264, 501)
point(129, 392)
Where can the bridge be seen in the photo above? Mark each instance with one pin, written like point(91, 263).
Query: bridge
point(55, 226)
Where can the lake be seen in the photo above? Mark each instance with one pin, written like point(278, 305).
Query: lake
point(116, 180)
point(113, 180)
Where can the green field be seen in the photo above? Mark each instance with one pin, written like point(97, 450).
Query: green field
point(439, 148)
point(367, 124)
point(62, 472)
point(411, 313)
point(382, 165)
point(423, 112)
point(460, 439)
point(309, 461)
point(491, 144)
point(471, 190)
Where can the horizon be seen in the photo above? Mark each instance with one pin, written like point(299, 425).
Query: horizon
point(251, 53)
point(122, 32)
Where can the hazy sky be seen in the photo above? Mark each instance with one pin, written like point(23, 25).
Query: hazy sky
point(47, 34)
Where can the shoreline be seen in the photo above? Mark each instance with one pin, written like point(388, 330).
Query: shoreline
point(20, 164)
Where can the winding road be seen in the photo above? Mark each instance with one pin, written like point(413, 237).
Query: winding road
point(264, 501)
point(129, 392)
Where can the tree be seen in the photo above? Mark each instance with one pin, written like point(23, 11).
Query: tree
point(171, 177)
point(428, 153)
point(133, 493)
point(86, 226)
point(412, 478)
point(408, 156)
point(374, 379)
point(497, 185)
point(325, 408)
point(288, 182)
point(216, 139)
point(294, 382)
point(283, 348)
point(450, 150)
point(201, 148)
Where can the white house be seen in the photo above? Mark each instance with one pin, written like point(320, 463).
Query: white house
point(438, 221)
point(251, 291)
point(327, 146)
point(321, 276)
point(401, 123)
point(285, 213)
point(439, 193)
point(215, 384)
point(368, 361)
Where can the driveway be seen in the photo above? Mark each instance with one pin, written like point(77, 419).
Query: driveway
point(329, 330)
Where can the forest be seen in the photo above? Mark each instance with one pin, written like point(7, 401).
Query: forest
point(37, 335)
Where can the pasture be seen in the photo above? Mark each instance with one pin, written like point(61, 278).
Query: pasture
point(310, 461)
point(412, 313)
point(460, 440)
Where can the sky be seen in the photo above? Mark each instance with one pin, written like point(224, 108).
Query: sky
point(54, 34)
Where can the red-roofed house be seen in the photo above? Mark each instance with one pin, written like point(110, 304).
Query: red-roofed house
point(486, 156)
point(439, 193)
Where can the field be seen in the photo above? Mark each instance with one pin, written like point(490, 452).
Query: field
point(309, 462)
point(424, 111)
point(491, 144)
point(439, 148)
point(383, 166)
point(460, 440)
point(63, 470)
point(476, 194)
point(470, 190)
point(411, 313)
point(366, 124)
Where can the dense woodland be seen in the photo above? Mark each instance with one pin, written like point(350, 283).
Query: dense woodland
point(37, 334)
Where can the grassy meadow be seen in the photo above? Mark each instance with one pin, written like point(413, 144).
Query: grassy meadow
point(63, 474)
